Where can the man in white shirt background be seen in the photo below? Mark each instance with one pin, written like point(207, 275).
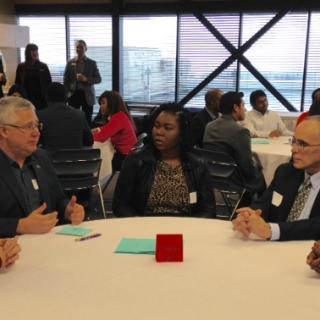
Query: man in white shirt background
point(260, 121)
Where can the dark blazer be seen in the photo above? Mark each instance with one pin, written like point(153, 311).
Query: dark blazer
point(228, 132)
point(286, 182)
point(4, 80)
point(12, 203)
point(91, 71)
point(198, 125)
point(137, 176)
point(41, 79)
point(64, 127)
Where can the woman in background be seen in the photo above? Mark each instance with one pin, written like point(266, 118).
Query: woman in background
point(165, 178)
point(34, 76)
point(119, 127)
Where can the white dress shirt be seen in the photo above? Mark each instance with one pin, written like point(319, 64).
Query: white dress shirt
point(305, 214)
point(261, 125)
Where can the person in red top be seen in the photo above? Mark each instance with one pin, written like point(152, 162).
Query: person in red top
point(119, 127)
point(314, 108)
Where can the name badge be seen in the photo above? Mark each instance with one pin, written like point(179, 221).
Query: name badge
point(276, 199)
point(193, 197)
point(35, 184)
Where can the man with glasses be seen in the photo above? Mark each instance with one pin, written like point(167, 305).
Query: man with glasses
point(31, 199)
point(290, 207)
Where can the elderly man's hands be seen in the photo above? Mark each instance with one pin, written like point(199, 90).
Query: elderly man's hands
point(313, 258)
point(9, 249)
point(249, 222)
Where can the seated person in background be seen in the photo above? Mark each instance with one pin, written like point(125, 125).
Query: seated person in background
point(31, 197)
point(119, 128)
point(313, 258)
point(226, 132)
point(206, 115)
point(262, 122)
point(17, 91)
point(290, 207)
point(314, 108)
point(165, 178)
point(63, 127)
point(9, 252)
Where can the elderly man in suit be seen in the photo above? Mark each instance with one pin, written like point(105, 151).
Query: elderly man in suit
point(80, 75)
point(290, 207)
point(31, 198)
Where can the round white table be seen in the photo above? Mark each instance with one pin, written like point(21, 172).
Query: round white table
point(223, 276)
point(271, 154)
point(107, 151)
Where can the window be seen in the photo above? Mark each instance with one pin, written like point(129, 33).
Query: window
point(278, 55)
point(200, 53)
point(148, 58)
point(313, 67)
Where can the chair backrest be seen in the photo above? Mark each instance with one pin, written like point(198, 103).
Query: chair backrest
point(77, 168)
point(139, 144)
point(223, 173)
point(76, 154)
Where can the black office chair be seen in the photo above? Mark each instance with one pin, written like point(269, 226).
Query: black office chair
point(224, 175)
point(78, 169)
point(109, 186)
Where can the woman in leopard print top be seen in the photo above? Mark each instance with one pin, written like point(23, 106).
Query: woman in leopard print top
point(165, 178)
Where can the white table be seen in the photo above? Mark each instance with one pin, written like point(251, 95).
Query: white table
point(271, 155)
point(223, 276)
point(107, 151)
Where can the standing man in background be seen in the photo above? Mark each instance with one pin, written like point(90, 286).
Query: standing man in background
point(3, 79)
point(80, 75)
point(34, 76)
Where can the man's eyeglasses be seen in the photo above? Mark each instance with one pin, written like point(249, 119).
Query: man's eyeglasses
point(27, 127)
point(302, 144)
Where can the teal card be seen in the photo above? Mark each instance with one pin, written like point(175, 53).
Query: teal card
point(74, 231)
point(136, 246)
point(259, 141)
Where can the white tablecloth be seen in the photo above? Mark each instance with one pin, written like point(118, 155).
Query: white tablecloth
point(223, 276)
point(271, 155)
point(107, 152)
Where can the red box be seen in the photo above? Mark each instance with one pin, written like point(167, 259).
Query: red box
point(169, 248)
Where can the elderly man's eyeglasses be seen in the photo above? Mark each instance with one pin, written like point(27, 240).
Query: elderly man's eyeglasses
point(28, 127)
point(302, 144)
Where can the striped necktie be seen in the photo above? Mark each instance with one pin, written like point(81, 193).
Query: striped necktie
point(300, 200)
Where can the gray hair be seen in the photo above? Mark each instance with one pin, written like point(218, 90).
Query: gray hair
point(9, 106)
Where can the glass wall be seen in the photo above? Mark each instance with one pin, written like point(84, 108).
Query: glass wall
point(164, 58)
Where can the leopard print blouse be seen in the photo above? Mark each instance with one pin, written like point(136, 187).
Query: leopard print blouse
point(169, 193)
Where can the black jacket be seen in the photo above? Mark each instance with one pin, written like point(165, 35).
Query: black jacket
point(64, 127)
point(286, 183)
point(35, 79)
point(198, 125)
point(12, 202)
point(137, 176)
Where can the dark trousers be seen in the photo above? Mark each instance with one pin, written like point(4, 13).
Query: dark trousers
point(117, 161)
point(78, 100)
